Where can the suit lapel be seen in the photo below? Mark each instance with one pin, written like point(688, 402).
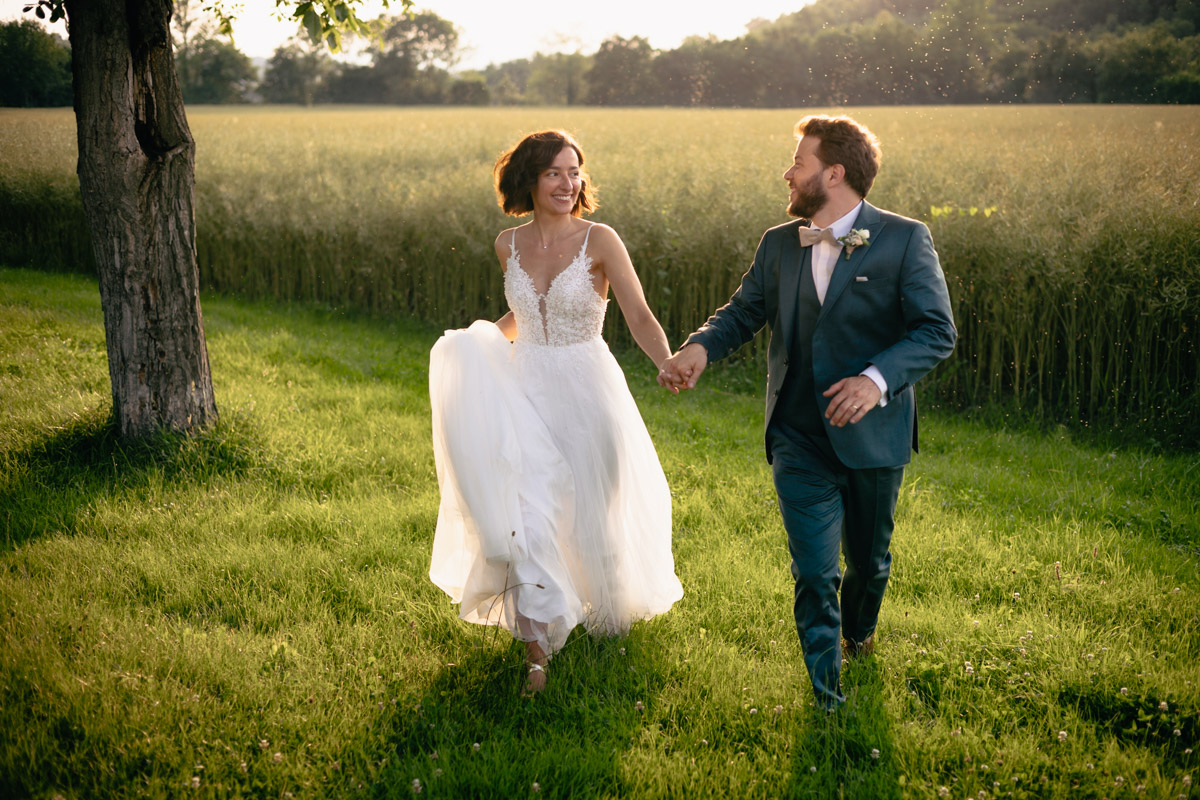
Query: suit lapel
point(790, 267)
point(845, 269)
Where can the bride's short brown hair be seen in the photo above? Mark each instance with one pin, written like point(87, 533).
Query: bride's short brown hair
point(516, 172)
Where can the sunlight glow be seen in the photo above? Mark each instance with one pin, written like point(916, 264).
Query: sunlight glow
point(494, 32)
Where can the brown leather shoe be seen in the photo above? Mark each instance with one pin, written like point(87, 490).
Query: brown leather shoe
point(852, 649)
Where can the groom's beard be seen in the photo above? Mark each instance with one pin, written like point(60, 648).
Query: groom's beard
point(810, 198)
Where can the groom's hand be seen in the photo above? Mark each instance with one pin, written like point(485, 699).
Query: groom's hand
point(852, 398)
point(682, 370)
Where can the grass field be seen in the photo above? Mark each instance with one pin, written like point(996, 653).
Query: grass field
point(246, 613)
point(1077, 297)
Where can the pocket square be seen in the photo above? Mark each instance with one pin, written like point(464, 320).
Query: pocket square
point(860, 278)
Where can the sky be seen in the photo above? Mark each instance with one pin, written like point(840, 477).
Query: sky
point(494, 31)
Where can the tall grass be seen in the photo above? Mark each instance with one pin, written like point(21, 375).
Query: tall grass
point(245, 613)
point(1078, 295)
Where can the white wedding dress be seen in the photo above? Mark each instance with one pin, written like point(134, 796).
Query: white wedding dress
point(554, 508)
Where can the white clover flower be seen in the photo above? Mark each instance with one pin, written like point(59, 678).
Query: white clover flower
point(416, 785)
point(277, 758)
point(943, 791)
point(638, 705)
point(1162, 706)
point(875, 753)
point(754, 711)
point(1062, 736)
point(195, 781)
point(475, 747)
point(1124, 690)
point(812, 769)
point(535, 787)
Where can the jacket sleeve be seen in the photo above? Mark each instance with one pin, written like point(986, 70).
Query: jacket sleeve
point(738, 321)
point(929, 322)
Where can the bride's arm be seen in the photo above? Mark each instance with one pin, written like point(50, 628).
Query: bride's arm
point(507, 324)
point(618, 269)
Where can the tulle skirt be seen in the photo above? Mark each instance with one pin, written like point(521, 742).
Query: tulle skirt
point(554, 508)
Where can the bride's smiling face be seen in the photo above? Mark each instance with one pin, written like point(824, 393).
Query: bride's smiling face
point(558, 185)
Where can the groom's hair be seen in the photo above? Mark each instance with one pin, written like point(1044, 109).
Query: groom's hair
point(845, 142)
point(516, 172)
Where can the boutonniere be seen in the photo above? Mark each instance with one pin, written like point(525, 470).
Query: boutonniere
point(857, 237)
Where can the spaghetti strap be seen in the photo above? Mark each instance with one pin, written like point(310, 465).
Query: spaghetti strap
point(587, 235)
point(512, 244)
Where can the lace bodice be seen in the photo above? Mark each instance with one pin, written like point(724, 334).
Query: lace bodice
point(568, 313)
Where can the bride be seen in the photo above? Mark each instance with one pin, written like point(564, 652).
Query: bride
point(554, 509)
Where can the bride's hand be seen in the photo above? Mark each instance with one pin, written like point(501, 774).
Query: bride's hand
point(682, 370)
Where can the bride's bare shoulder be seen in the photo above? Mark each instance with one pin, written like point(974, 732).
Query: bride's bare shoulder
point(503, 244)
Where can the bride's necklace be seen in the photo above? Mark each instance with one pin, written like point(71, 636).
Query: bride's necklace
point(546, 246)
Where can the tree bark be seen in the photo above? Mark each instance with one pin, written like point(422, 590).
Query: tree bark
point(137, 174)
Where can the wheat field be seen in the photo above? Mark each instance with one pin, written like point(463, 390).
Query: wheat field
point(1067, 233)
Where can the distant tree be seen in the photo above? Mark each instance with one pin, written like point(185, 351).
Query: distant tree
point(733, 79)
point(412, 58)
point(469, 89)
point(679, 77)
point(620, 72)
point(1182, 88)
point(189, 26)
point(296, 73)
point(507, 82)
point(557, 79)
point(210, 69)
point(220, 73)
point(1131, 66)
point(956, 41)
point(35, 66)
point(1060, 68)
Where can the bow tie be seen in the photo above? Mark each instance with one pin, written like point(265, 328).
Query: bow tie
point(810, 236)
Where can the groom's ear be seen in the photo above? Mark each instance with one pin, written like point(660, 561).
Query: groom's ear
point(837, 174)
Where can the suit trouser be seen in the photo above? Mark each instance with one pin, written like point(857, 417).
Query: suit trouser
point(824, 504)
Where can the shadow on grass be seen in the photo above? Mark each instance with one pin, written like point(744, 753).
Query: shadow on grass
point(470, 733)
point(851, 752)
point(49, 484)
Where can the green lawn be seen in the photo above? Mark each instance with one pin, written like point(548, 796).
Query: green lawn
point(247, 612)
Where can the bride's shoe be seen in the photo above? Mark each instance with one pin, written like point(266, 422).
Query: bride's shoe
point(535, 680)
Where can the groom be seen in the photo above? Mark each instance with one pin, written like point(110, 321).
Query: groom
point(858, 310)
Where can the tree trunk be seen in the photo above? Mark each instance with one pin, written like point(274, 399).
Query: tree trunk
point(137, 175)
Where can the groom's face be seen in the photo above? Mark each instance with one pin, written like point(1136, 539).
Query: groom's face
point(806, 180)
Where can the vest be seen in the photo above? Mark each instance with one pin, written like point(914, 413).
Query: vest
point(797, 404)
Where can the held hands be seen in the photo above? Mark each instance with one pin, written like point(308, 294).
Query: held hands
point(682, 370)
point(852, 398)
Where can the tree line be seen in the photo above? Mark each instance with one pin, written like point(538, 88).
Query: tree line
point(833, 52)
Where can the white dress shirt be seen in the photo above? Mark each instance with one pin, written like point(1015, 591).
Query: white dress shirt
point(824, 260)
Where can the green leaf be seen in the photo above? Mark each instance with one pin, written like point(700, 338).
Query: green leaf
point(312, 23)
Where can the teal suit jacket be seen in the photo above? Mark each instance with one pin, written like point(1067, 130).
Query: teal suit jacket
point(886, 305)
